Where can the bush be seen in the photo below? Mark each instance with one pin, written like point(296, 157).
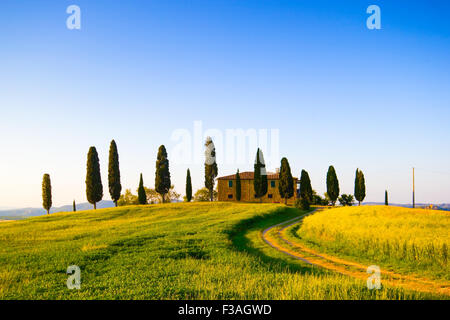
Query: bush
point(302, 204)
point(319, 201)
point(203, 195)
point(346, 200)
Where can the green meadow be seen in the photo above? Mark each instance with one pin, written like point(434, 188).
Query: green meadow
point(168, 251)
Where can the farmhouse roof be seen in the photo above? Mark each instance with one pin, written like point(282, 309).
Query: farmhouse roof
point(249, 175)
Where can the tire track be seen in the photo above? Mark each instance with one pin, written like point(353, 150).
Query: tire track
point(275, 237)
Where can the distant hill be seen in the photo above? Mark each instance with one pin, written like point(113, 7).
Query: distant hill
point(15, 214)
point(442, 206)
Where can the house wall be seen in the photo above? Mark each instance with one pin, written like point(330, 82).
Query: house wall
point(248, 192)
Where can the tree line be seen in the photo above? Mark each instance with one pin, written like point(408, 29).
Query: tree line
point(94, 186)
point(164, 190)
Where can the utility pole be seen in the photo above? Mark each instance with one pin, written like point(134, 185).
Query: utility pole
point(414, 198)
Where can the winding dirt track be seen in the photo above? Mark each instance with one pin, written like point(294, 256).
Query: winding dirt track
point(275, 236)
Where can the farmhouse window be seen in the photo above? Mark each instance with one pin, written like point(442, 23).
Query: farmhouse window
point(272, 184)
point(230, 196)
point(230, 184)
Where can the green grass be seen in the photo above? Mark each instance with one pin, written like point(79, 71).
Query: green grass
point(410, 241)
point(171, 251)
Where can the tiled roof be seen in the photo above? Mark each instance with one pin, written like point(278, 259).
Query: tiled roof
point(248, 175)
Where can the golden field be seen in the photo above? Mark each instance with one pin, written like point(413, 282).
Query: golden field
point(406, 240)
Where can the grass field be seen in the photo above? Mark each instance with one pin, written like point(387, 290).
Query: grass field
point(171, 251)
point(412, 241)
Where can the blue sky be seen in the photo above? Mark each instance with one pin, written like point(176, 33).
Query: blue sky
point(338, 92)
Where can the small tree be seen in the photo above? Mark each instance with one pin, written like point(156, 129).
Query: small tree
point(302, 204)
point(326, 199)
point(142, 197)
point(154, 197)
point(238, 186)
point(46, 193)
point(260, 176)
point(188, 186)
point(360, 186)
point(306, 191)
point(204, 195)
point(332, 185)
point(211, 170)
point(74, 206)
point(94, 187)
point(162, 175)
point(128, 199)
point(346, 200)
point(286, 182)
point(386, 202)
point(172, 195)
point(114, 173)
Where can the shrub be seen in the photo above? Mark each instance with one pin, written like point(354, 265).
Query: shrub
point(302, 203)
point(346, 200)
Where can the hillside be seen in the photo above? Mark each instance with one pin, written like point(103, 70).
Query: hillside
point(22, 213)
point(172, 251)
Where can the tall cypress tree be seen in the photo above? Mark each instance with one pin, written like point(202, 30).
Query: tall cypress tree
point(286, 182)
point(306, 192)
point(46, 193)
point(94, 187)
point(357, 185)
point(260, 176)
point(188, 186)
point(74, 206)
point(332, 185)
point(211, 170)
point(162, 174)
point(238, 186)
point(114, 173)
point(386, 202)
point(142, 196)
point(360, 186)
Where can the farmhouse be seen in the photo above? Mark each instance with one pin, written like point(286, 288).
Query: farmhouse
point(227, 188)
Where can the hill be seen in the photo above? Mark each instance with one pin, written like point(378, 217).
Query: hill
point(21, 213)
point(441, 206)
point(169, 251)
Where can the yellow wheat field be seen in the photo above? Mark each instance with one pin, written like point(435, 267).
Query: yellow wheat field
point(413, 240)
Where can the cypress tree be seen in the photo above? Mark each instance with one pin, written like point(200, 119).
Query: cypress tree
point(386, 202)
point(188, 186)
point(162, 174)
point(238, 186)
point(142, 196)
point(260, 176)
point(74, 206)
point(286, 182)
point(46, 193)
point(114, 173)
point(211, 170)
point(306, 191)
point(332, 185)
point(94, 187)
point(357, 185)
point(360, 186)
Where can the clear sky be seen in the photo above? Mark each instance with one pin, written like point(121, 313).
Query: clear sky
point(138, 71)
